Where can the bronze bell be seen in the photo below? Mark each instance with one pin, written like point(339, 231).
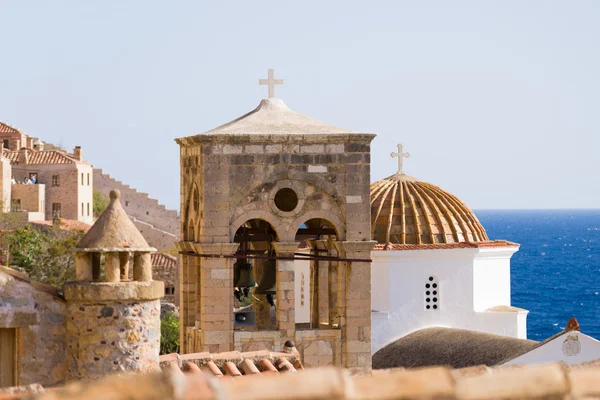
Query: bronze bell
point(245, 277)
point(268, 283)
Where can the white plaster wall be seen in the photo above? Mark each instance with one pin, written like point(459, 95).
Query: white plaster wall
point(302, 270)
point(398, 292)
point(491, 278)
point(553, 351)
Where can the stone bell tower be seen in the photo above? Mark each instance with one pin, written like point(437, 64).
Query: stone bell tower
point(256, 189)
point(113, 323)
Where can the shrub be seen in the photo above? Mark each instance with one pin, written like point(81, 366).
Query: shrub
point(169, 334)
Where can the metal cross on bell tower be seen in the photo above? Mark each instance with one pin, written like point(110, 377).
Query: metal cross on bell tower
point(400, 156)
point(271, 82)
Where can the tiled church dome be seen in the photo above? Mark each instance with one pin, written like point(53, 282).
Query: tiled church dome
point(405, 210)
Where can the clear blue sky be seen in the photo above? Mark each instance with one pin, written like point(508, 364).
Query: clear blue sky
point(497, 101)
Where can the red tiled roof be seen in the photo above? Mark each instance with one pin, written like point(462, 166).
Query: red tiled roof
point(545, 381)
point(41, 157)
point(5, 128)
point(443, 246)
point(163, 260)
point(233, 363)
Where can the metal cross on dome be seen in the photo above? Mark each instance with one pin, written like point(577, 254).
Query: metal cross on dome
point(400, 156)
point(271, 82)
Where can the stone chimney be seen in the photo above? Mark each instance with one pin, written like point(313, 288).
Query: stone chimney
point(113, 322)
point(77, 153)
point(23, 156)
point(29, 142)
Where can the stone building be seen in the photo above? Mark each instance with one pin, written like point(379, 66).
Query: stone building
point(64, 182)
point(32, 331)
point(104, 323)
point(252, 190)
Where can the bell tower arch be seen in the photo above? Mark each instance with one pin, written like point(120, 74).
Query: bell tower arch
point(261, 186)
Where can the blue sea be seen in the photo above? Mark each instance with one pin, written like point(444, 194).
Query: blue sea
point(556, 272)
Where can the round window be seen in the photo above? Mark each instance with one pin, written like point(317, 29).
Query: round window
point(286, 199)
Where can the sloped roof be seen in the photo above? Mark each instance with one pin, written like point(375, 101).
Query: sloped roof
point(273, 117)
point(41, 157)
point(114, 231)
point(548, 381)
point(163, 260)
point(5, 128)
point(235, 363)
point(457, 348)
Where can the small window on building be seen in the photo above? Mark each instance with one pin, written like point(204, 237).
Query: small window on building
point(126, 203)
point(55, 210)
point(82, 213)
point(6, 143)
point(82, 179)
point(15, 205)
point(88, 179)
point(88, 209)
point(432, 294)
point(55, 180)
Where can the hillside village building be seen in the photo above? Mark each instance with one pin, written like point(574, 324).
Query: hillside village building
point(63, 185)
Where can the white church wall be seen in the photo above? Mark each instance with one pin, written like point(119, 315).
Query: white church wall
point(571, 347)
point(404, 274)
point(399, 292)
point(491, 277)
point(509, 323)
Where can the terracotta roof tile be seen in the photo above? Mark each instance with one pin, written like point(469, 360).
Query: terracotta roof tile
point(546, 381)
point(41, 157)
point(163, 260)
point(5, 128)
point(443, 246)
point(234, 363)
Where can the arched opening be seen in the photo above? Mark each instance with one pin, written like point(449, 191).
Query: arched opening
point(254, 276)
point(316, 276)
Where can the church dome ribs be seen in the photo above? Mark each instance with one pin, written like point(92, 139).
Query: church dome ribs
point(405, 210)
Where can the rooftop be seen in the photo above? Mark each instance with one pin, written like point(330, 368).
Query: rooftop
point(273, 117)
point(41, 157)
point(548, 381)
point(407, 211)
point(114, 231)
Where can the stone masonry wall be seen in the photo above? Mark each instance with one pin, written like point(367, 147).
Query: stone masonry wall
point(32, 197)
point(40, 319)
point(159, 225)
point(115, 336)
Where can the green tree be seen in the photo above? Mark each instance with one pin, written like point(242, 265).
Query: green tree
point(169, 334)
point(100, 203)
point(45, 254)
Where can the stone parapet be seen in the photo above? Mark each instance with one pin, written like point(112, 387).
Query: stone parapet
point(109, 291)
